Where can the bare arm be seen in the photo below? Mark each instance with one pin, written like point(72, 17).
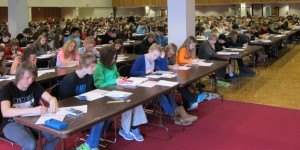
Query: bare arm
point(8, 111)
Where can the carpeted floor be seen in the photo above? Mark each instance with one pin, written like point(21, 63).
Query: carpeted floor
point(228, 125)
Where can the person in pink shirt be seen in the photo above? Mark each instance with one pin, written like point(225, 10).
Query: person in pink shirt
point(68, 55)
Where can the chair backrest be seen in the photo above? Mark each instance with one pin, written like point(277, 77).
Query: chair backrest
point(54, 90)
point(124, 70)
point(52, 62)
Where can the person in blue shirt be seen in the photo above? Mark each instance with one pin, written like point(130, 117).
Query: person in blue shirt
point(75, 33)
point(160, 36)
point(145, 64)
point(142, 29)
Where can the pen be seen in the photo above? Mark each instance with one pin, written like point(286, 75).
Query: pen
point(42, 103)
point(113, 102)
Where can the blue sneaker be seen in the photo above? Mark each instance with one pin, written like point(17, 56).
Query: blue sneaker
point(201, 97)
point(137, 135)
point(193, 106)
point(127, 137)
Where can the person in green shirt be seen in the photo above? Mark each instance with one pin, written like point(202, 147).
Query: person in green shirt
point(106, 74)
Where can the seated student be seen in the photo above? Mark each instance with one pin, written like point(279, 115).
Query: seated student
point(125, 35)
point(29, 56)
point(160, 36)
point(58, 41)
point(88, 47)
point(142, 29)
point(5, 39)
point(13, 50)
point(273, 28)
point(106, 74)
point(22, 97)
point(75, 33)
point(2, 62)
point(187, 52)
point(110, 36)
point(24, 38)
point(118, 47)
point(68, 54)
point(41, 46)
point(78, 82)
point(263, 29)
point(146, 43)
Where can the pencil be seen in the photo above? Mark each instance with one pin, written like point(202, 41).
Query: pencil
point(113, 102)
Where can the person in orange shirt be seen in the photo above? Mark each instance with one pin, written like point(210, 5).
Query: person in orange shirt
point(187, 52)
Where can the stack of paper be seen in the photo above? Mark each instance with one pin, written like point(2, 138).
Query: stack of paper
point(7, 77)
point(118, 95)
point(135, 81)
point(235, 49)
point(167, 83)
point(94, 94)
point(181, 68)
point(204, 64)
point(41, 72)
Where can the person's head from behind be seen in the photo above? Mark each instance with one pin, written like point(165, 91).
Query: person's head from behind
point(107, 57)
point(151, 37)
point(87, 63)
point(6, 37)
point(14, 43)
point(222, 39)
point(26, 74)
point(118, 45)
point(170, 50)
point(75, 31)
point(233, 35)
point(27, 32)
point(212, 39)
point(89, 43)
point(112, 32)
point(29, 56)
point(154, 52)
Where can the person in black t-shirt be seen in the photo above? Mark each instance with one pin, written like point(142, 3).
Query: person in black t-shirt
point(146, 43)
point(22, 97)
point(78, 82)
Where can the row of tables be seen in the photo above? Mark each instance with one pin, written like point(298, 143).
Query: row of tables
point(99, 110)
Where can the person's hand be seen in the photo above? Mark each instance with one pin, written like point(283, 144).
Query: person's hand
point(121, 80)
point(16, 58)
point(149, 71)
point(40, 110)
point(245, 45)
point(2, 44)
point(28, 45)
point(194, 60)
point(53, 105)
point(48, 52)
point(19, 53)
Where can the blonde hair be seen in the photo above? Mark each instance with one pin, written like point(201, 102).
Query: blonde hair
point(89, 40)
point(155, 46)
point(66, 52)
point(167, 49)
point(87, 60)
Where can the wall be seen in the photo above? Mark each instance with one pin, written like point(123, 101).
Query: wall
point(3, 14)
point(294, 9)
point(40, 13)
point(68, 12)
point(140, 11)
point(216, 10)
point(65, 3)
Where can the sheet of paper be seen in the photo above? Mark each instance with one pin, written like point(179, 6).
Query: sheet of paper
point(204, 64)
point(83, 108)
point(279, 35)
point(8, 77)
point(168, 75)
point(153, 76)
point(41, 72)
point(149, 84)
point(235, 49)
point(167, 83)
point(227, 53)
point(135, 81)
point(45, 56)
point(59, 115)
point(181, 68)
point(94, 94)
point(118, 94)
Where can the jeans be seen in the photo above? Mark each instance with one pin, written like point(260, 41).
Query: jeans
point(168, 103)
point(133, 117)
point(95, 134)
point(188, 98)
point(25, 138)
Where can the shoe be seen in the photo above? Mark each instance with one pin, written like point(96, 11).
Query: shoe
point(183, 116)
point(85, 147)
point(127, 137)
point(179, 121)
point(223, 83)
point(137, 135)
point(201, 97)
point(193, 106)
point(211, 96)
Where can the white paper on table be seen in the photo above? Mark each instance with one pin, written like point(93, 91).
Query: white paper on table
point(167, 83)
point(94, 94)
point(279, 35)
point(149, 84)
point(59, 115)
point(41, 72)
point(163, 72)
point(68, 64)
point(204, 64)
point(8, 77)
point(135, 81)
point(153, 76)
point(169, 75)
point(45, 56)
point(235, 49)
point(82, 108)
point(118, 94)
point(266, 41)
point(181, 68)
point(126, 43)
point(10, 61)
point(227, 53)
